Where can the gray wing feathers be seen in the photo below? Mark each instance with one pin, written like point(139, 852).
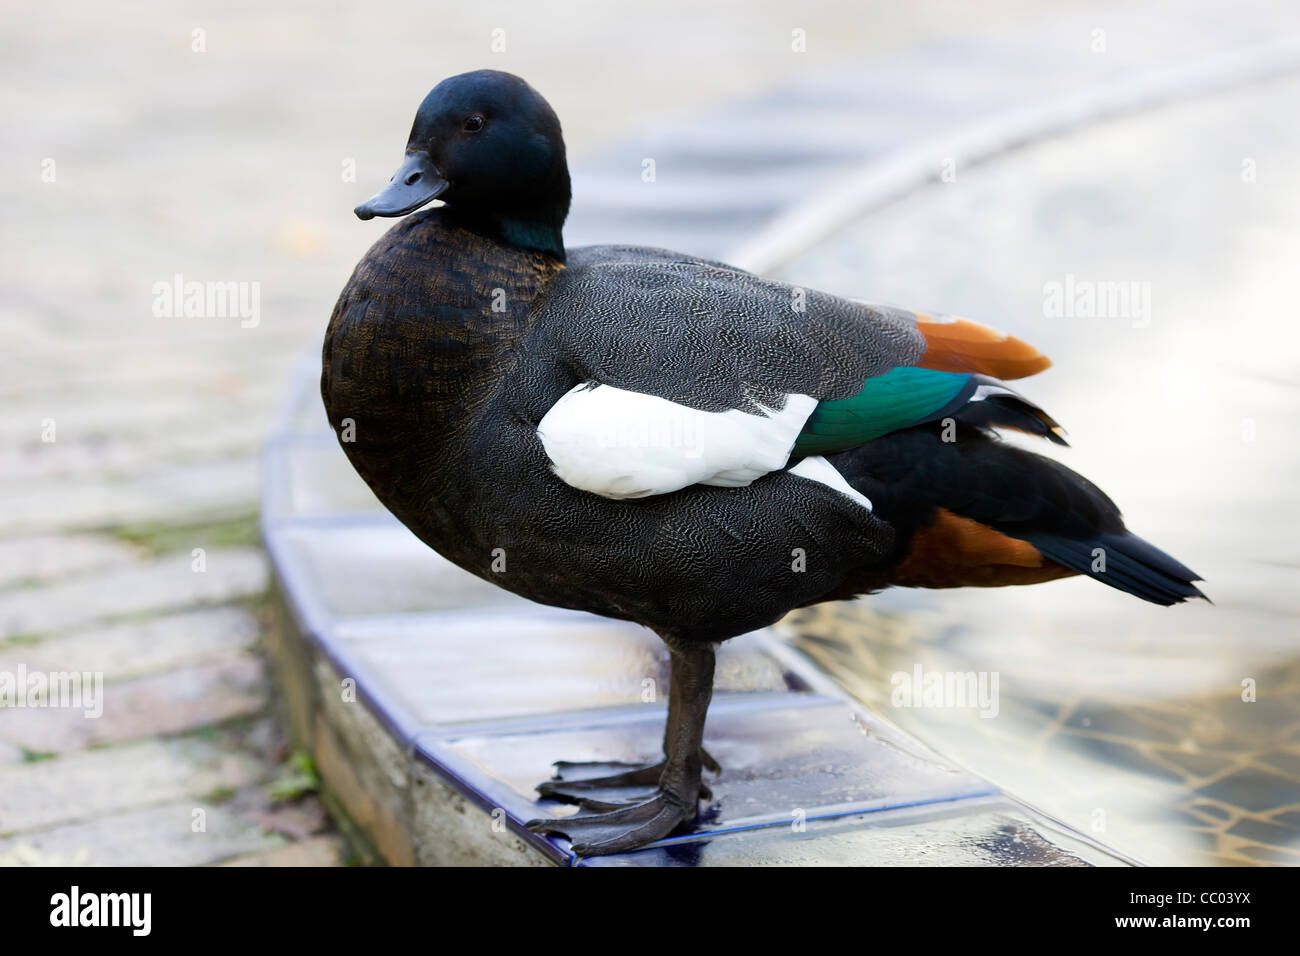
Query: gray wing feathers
point(713, 337)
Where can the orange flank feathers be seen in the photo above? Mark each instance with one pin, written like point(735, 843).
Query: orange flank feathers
point(960, 345)
point(955, 552)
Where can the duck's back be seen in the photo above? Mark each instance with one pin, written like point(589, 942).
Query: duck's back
point(714, 337)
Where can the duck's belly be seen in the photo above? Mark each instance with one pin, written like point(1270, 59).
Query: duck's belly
point(703, 563)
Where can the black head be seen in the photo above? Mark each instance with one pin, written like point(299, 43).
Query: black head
point(490, 147)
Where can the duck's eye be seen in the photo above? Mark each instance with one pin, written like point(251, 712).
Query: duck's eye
point(473, 123)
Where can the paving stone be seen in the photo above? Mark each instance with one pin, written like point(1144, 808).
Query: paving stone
point(46, 557)
point(183, 493)
point(94, 783)
point(116, 454)
point(156, 412)
point(67, 373)
point(141, 647)
point(162, 584)
point(155, 836)
point(169, 703)
point(314, 851)
point(297, 819)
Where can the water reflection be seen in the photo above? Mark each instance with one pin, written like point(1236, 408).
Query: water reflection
point(1125, 720)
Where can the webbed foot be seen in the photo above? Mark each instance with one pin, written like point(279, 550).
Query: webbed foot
point(594, 787)
point(624, 828)
point(627, 806)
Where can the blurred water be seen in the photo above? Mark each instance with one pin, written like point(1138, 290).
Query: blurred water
point(1124, 719)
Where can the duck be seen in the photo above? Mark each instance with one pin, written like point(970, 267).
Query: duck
point(673, 441)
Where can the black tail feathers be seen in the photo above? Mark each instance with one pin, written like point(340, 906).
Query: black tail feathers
point(1124, 561)
point(1067, 518)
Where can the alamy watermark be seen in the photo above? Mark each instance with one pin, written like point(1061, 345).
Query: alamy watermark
point(179, 299)
point(1076, 298)
point(674, 431)
point(952, 689)
point(133, 911)
point(75, 690)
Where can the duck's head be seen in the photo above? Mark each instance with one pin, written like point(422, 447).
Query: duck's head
point(490, 147)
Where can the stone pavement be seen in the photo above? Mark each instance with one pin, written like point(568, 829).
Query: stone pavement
point(230, 147)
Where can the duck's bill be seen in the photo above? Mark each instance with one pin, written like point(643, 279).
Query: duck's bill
point(415, 183)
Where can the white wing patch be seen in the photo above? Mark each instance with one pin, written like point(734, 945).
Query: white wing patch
point(622, 444)
point(819, 469)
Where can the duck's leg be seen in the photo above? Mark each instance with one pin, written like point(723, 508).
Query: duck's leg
point(611, 784)
point(625, 824)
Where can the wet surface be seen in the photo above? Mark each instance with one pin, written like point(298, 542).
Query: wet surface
point(997, 834)
point(1123, 719)
point(783, 761)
